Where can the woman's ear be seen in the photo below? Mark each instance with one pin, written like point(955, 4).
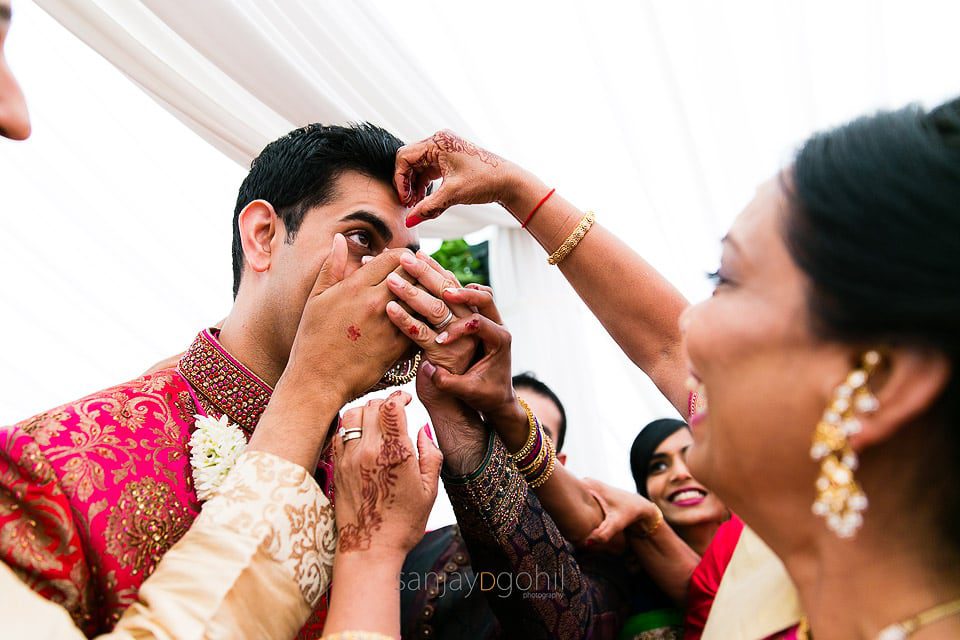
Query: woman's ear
point(258, 226)
point(907, 383)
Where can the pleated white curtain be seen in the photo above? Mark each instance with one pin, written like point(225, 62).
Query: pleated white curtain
point(243, 72)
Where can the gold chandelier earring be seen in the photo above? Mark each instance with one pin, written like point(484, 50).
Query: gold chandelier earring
point(840, 500)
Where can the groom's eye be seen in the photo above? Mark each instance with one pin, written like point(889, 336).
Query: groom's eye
point(361, 238)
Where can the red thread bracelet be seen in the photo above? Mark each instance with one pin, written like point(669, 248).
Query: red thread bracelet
point(535, 209)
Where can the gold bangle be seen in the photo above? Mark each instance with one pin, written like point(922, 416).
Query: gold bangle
point(531, 434)
point(652, 529)
point(551, 464)
point(574, 239)
point(536, 462)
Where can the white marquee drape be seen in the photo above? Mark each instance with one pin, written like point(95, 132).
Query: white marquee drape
point(242, 73)
point(662, 116)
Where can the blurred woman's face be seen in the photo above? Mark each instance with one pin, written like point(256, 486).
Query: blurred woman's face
point(683, 501)
point(763, 378)
point(14, 121)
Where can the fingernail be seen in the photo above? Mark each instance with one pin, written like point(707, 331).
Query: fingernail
point(451, 291)
point(442, 337)
point(413, 221)
point(408, 259)
point(366, 259)
point(428, 368)
point(394, 279)
point(393, 307)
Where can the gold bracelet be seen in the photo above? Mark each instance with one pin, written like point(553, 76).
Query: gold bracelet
point(536, 462)
point(652, 529)
point(531, 434)
point(573, 240)
point(551, 464)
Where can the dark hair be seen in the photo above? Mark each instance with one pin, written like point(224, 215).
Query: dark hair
point(875, 225)
point(298, 172)
point(645, 445)
point(527, 380)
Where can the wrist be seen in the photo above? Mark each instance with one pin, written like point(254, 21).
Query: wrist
point(512, 424)
point(522, 191)
point(295, 425)
point(647, 523)
point(313, 389)
point(463, 441)
point(461, 435)
point(378, 559)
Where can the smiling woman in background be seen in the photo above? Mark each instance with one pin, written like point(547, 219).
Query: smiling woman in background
point(658, 464)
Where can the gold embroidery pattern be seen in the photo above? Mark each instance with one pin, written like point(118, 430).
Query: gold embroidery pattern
point(146, 521)
point(37, 538)
point(278, 502)
point(234, 389)
point(45, 426)
point(91, 441)
point(493, 499)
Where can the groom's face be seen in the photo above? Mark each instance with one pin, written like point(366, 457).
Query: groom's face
point(369, 215)
point(14, 121)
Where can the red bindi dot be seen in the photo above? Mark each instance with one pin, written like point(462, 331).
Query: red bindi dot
point(353, 332)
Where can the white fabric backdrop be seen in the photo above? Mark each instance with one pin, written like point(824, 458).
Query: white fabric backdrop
point(243, 72)
point(661, 116)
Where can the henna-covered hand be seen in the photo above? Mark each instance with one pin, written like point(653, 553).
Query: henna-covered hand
point(470, 174)
point(384, 492)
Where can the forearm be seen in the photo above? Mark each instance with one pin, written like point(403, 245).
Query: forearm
point(667, 559)
point(296, 423)
point(461, 436)
point(570, 504)
point(564, 497)
point(645, 320)
point(366, 594)
point(537, 587)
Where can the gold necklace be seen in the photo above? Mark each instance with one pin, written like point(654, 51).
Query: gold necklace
point(899, 630)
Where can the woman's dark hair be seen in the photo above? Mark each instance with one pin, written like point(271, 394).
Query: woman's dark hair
point(874, 223)
point(645, 445)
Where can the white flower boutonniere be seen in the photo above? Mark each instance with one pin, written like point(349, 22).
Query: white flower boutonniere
point(215, 446)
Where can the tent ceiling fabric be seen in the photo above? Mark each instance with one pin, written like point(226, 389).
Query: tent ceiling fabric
point(242, 73)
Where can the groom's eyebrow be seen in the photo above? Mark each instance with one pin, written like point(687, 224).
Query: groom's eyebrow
point(5, 13)
point(378, 225)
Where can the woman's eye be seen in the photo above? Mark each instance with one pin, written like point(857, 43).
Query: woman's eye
point(361, 238)
point(657, 467)
point(718, 279)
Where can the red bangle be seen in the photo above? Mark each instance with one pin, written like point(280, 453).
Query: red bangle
point(535, 209)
